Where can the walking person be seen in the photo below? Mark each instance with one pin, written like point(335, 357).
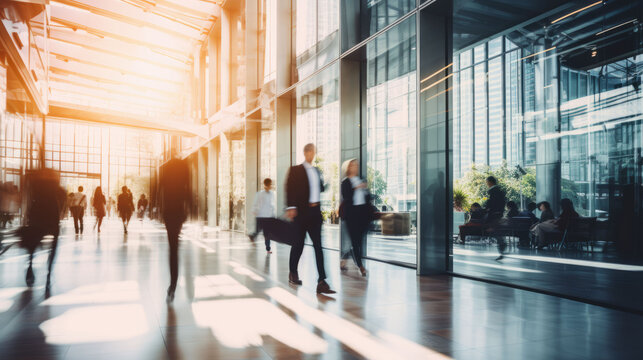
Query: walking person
point(141, 205)
point(264, 211)
point(175, 197)
point(77, 206)
point(304, 186)
point(125, 207)
point(98, 202)
point(45, 208)
point(495, 208)
point(356, 208)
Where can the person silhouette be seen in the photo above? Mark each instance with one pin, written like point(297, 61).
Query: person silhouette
point(304, 186)
point(174, 182)
point(125, 206)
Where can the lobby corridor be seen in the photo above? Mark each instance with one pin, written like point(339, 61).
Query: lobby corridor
point(107, 301)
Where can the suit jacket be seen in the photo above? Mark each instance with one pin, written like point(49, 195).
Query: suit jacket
point(298, 189)
point(496, 203)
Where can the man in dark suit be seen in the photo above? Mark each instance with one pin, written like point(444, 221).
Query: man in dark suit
point(303, 188)
point(174, 203)
point(495, 209)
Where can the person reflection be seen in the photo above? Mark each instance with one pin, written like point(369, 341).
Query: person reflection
point(495, 208)
point(356, 212)
point(174, 200)
point(548, 230)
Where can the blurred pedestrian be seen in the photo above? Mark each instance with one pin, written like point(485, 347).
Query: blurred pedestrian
point(125, 207)
point(98, 202)
point(264, 211)
point(174, 182)
point(142, 206)
point(304, 186)
point(77, 206)
point(357, 212)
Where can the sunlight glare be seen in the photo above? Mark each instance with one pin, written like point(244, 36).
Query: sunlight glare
point(241, 323)
point(351, 335)
point(110, 292)
point(96, 324)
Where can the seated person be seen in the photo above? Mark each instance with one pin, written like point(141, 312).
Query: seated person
point(545, 211)
point(476, 213)
point(475, 224)
point(529, 212)
point(546, 229)
point(512, 210)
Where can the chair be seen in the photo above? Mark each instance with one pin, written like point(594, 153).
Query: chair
point(580, 231)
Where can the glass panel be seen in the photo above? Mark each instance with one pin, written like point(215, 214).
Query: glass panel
point(363, 18)
point(560, 121)
point(317, 122)
point(390, 138)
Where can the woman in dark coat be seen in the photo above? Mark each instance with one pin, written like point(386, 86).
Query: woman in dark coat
point(98, 202)
point(356, 212)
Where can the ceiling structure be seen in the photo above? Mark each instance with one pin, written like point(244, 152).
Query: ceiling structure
point(129, 57)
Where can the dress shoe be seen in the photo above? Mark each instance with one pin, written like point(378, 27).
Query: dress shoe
point(362, 270)
point(294, 279)
point(342, 265)
point(323, 288)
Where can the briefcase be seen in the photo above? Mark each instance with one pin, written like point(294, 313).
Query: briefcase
point(280, 230)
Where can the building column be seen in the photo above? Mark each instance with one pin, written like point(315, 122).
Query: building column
point(284, 154)
point(202, 185)
point(252, 170)
point(213, 177)
point(435, 192)
point(352, 141)
point(548, 171)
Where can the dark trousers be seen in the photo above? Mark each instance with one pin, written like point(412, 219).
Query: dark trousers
point(357, 225)
point(173, 230)
point(263, 224)
point(308, 221)
point(78, 212)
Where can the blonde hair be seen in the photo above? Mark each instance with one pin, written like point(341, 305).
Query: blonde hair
point(345, 166)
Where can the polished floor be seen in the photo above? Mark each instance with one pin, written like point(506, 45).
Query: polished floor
point(233, 302)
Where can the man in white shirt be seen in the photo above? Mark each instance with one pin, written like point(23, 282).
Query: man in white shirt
point(77, 205)
point(263, 210)
point(303, 188)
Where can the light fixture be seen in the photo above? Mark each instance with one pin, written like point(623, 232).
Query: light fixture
point(615, 27)
point(577, 11)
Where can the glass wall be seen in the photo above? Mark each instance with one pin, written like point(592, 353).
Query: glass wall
point(317, 122)
point(315, 39)
point(390, 132)
point(231, 201)
point(552, 109)
point(363, 18)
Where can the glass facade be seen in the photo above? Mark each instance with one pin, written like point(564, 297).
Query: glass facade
point(390, 127)
point(315, 39)
point(544, 97)
point(551, 108)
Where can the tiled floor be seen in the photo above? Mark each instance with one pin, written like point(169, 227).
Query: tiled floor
point(107, 302)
